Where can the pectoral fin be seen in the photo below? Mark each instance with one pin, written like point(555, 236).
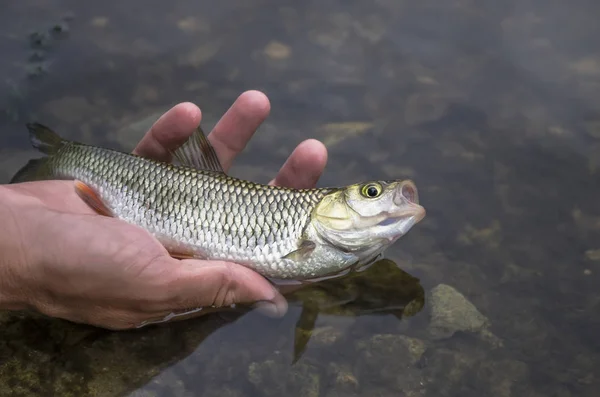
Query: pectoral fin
point(91, 198)
point(182, 254)
point(303, 252)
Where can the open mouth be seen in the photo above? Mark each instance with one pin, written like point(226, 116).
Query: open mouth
point(409, 192)
point(406, 193)
point(411, 215)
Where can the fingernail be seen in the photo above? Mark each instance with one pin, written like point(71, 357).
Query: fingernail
point(271, 309)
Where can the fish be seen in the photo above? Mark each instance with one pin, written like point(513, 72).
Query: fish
point(196, 210)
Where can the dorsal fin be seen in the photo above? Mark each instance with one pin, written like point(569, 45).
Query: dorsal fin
point(197, 152)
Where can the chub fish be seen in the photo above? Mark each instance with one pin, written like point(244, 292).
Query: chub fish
point(198, 211)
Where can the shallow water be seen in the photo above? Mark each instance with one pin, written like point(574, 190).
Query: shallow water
point(493, 108)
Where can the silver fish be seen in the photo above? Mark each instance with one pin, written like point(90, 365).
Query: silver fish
point(197, 211)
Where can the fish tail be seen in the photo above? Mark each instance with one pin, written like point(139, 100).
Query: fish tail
point(46, 141)
point(34, 170)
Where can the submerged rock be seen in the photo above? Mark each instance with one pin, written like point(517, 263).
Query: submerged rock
point(273, 378)
point(401, 372)
point(451, 312)
point(425, 107)
point(343, 378)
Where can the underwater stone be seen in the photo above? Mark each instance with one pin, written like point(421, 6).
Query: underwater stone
point(399, 369)
point(274, 378)
point(452, 312)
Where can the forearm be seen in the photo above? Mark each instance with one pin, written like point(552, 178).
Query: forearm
point(13, 254)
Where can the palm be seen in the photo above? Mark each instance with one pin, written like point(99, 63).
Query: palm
point(109, 242)
point(121, 251)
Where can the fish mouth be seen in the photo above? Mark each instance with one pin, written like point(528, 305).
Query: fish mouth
point(406, 197)
point(406, 193)
point(413, 214)
point(410, 212)
point(419, 212)
point(400, 225)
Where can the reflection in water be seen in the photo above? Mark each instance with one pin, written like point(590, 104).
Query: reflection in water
point(381, 289)
point(83, 358)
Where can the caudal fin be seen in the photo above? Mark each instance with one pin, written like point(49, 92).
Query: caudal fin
point(44, 139)
point(34, 170)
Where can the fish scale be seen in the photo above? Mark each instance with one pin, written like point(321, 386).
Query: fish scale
point(195, 211)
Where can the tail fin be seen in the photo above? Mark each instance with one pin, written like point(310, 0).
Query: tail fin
point(44, 139)
point(34, 170)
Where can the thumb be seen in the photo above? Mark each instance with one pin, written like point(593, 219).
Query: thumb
point(200, 283)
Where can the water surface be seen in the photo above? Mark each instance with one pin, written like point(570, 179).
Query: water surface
point(493, 108)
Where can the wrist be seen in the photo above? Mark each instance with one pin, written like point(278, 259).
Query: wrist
point(13, 253)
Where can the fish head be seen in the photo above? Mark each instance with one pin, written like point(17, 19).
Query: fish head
point(367, 217)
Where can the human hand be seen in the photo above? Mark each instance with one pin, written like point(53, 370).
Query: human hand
point(92, 269)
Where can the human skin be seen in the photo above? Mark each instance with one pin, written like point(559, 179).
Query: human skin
point(60, 258)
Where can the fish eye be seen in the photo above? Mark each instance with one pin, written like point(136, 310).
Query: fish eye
point(371, 190)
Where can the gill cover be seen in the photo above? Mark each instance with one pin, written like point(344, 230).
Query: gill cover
point(333, 211)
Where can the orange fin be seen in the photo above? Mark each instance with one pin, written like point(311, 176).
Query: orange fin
point(182, 255)
point(91, 198)
point(185, 253)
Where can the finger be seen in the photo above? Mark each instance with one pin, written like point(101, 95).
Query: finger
point(238, 124)
point(222, 284)
point(304, 167)
point(169, 132)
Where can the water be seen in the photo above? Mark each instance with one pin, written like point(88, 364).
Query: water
point(491, 107)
